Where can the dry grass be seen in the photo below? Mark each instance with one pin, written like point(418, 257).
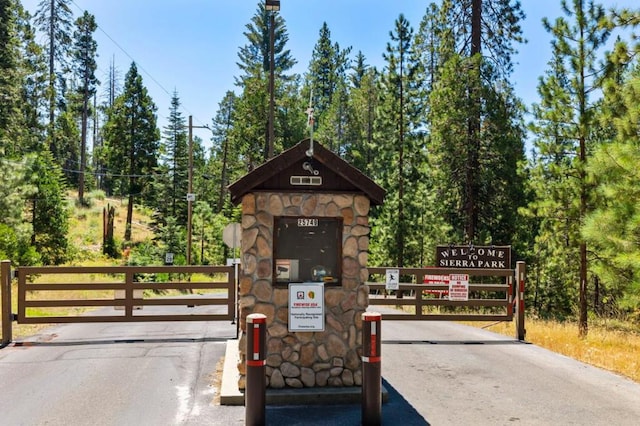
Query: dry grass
point(615, 350)
point(85, 233)
point(85, 224)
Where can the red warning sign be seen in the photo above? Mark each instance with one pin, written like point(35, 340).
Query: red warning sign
point(436, 280)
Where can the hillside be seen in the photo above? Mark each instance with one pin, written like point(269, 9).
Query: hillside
point(86, 224)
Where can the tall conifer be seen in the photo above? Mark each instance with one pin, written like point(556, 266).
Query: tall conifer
point(399, 154)
point(54, 19)
point(131, 142)
point(254, 64)
point(84, 61)
point(565, 135)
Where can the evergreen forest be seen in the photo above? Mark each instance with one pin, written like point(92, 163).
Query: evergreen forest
point(439, 127)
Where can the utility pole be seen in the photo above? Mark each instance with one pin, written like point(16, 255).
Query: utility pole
point(190, 194)
point(272, 6)
point(191, 197)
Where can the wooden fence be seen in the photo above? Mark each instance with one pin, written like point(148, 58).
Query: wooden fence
point(134, 294)
point(495, 301)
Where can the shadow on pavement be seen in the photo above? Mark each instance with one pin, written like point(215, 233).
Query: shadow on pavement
point(396, 411)
point(454, 342)
point(28, 343)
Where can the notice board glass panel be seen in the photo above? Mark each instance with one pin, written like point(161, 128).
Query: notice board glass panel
point(307, 249)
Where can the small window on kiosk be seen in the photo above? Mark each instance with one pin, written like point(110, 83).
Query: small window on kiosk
point(307, 249)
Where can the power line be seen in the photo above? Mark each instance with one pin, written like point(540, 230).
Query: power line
point(186, 110)
point(105, 173)
point(109, 174)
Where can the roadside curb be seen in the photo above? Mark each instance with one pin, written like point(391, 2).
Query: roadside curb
point(229, 392)
point(231, 395)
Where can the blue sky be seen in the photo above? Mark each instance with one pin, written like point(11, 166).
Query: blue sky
point(191, 45)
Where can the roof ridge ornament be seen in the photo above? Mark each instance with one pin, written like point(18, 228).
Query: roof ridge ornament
point(310, 123)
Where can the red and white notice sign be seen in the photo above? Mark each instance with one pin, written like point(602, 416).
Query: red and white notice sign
point(436, 280)
point(459, 287)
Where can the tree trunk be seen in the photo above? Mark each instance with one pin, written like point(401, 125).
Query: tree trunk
point(399, 235)
point(583, 328)
point(473, 129)
point(223, 172)
point(127, 232)
point(596, 295)
point(132, 159)
point(583, 324)
point(83, 141)
point(52, 77)
point(476, 27)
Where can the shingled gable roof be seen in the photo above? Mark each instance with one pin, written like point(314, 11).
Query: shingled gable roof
point(254, 179)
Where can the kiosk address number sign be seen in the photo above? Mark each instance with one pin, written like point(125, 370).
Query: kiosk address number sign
point(306, 222)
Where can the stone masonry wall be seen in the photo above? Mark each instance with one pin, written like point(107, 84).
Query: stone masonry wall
point(306, 359)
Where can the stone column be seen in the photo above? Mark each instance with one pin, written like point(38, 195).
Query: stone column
point(306, 359)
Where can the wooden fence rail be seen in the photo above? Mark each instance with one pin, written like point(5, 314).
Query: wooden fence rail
point(122, 288)
point(497, 301)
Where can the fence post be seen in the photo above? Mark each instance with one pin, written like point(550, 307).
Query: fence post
point(128, 293)
point(7, 317)
point(255, 392)
point(521, 273)
point(371, 369)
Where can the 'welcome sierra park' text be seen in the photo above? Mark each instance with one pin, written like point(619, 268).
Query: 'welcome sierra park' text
point(473, 257)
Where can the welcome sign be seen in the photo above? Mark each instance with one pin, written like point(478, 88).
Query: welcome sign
point(473, 257)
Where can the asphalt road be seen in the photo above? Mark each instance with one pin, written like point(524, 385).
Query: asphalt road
point(457, 375)
point(117, 374)
point(436, 373)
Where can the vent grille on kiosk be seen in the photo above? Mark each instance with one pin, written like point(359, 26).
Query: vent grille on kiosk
point(306, 180)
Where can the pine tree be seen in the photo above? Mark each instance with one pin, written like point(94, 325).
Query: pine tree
point(362, 105)
point(249, 132)
point(15, 233)
point(112, 90)
point(131, 143)
point(10, 80)
point(610, 228)
point(222, 164)
point(472, 22)
point(171, 237)
point(174, 167)
point(254, 56)
point(254, 63)
point(84, 58)
point(565, 133)
point(398, 154)
point(434, 42)
point(34, 87)
point(68, 149)
point(50, 218)
point(327, 78)
point(54, 19)
point(291, 115)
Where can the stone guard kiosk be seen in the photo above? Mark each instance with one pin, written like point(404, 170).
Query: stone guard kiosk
point(305, 220)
